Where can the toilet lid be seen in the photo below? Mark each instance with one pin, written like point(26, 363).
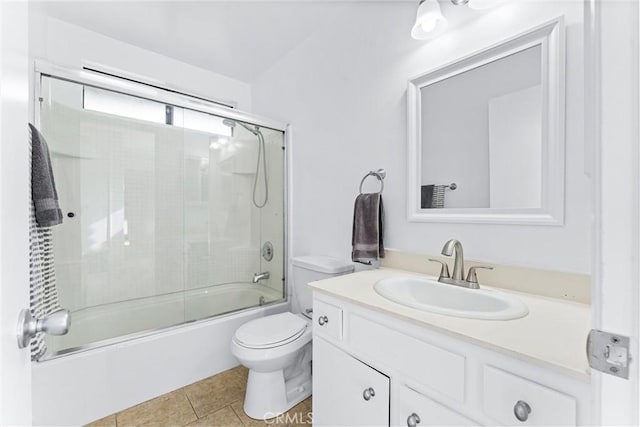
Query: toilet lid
point(270, 331)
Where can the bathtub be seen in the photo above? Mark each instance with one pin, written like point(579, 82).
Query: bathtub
point(109, 323)
point(82, 382)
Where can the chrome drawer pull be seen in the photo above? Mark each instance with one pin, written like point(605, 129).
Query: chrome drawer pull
point(322, 320)
point(413, 420)
point(521, 410)
point(368, 393)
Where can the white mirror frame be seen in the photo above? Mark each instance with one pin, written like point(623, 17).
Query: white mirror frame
point(550, 36)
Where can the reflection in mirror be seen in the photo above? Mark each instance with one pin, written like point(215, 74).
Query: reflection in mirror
point(486, 134)
point(482, 130)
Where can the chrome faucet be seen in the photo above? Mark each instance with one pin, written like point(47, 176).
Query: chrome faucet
point(457, 278)
point(458, 263)
point(260, 276)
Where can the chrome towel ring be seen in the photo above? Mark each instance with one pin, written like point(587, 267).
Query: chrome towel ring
point(380, 174)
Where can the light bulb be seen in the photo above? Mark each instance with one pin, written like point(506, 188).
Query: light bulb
point(429, 25)
point(430, 22)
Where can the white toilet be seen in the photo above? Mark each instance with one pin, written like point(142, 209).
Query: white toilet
point(277, 348)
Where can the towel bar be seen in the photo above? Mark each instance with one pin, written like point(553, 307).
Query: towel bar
point(380, 174)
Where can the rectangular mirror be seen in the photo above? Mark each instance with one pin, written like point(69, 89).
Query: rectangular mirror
point(486, 134)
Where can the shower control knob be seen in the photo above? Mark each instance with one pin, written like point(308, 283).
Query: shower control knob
point(322, 320)
point(56, 323)
point(368, 393)
point(413, 420)
point(522, 410)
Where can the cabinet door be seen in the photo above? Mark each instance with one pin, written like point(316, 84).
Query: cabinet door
point(414, 409)
point(346, 392)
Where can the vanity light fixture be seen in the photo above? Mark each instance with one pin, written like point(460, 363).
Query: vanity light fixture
point(430, 22)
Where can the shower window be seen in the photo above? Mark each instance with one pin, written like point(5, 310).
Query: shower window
point(160, 226)
point(117, 104)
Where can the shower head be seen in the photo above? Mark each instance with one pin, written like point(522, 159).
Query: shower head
point(232, 124)
point(261, 154)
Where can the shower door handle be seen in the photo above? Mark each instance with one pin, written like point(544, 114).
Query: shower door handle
point(56, 323)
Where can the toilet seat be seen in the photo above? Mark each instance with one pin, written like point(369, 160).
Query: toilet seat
point(271, 331)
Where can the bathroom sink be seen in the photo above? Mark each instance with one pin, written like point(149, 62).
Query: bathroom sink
point(433, 296)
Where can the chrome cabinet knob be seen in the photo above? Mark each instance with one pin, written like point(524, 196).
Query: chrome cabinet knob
point(322, 320)
point(413, 420)
point(368, 393)
point(521, 410)
point(57, 323)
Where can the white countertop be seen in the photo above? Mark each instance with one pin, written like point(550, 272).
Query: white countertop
point(554, 332)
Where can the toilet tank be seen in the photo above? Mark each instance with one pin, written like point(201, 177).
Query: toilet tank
point(310, 268)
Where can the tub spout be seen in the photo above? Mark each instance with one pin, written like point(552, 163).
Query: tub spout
point(260, 276)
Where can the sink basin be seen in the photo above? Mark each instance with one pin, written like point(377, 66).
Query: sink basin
point(433, 296)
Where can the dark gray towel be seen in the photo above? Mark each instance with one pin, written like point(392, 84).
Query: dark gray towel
point(432, 196)
point(43, 186)
point(426, 196)
point(368, 228)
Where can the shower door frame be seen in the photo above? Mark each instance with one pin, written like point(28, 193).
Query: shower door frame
point(126, 87)
point(140, 90)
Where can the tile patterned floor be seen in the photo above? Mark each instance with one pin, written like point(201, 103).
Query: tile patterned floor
point(214, 401)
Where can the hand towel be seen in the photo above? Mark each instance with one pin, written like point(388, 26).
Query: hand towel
point(43, 292)
point(432, 196)
point(43, 186)
point(438, 196)
point(368, 227)
point(426, 196)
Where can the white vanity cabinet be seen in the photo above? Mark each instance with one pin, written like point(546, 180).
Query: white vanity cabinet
point(352, 392)
point(423, 377)
point(414, 408)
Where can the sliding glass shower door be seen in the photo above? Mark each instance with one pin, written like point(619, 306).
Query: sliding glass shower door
point(160, 222)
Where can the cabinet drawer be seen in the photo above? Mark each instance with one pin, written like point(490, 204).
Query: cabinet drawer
point(503, 391)
point(428, 413)
point(327, 320)
point(429, 365)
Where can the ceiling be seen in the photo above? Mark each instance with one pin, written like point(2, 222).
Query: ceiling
point(237, 39)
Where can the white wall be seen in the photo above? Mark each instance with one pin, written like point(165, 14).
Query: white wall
point(73, 46)
point(344, 90)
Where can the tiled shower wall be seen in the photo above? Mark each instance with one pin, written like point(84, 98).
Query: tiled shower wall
point(156, 208)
